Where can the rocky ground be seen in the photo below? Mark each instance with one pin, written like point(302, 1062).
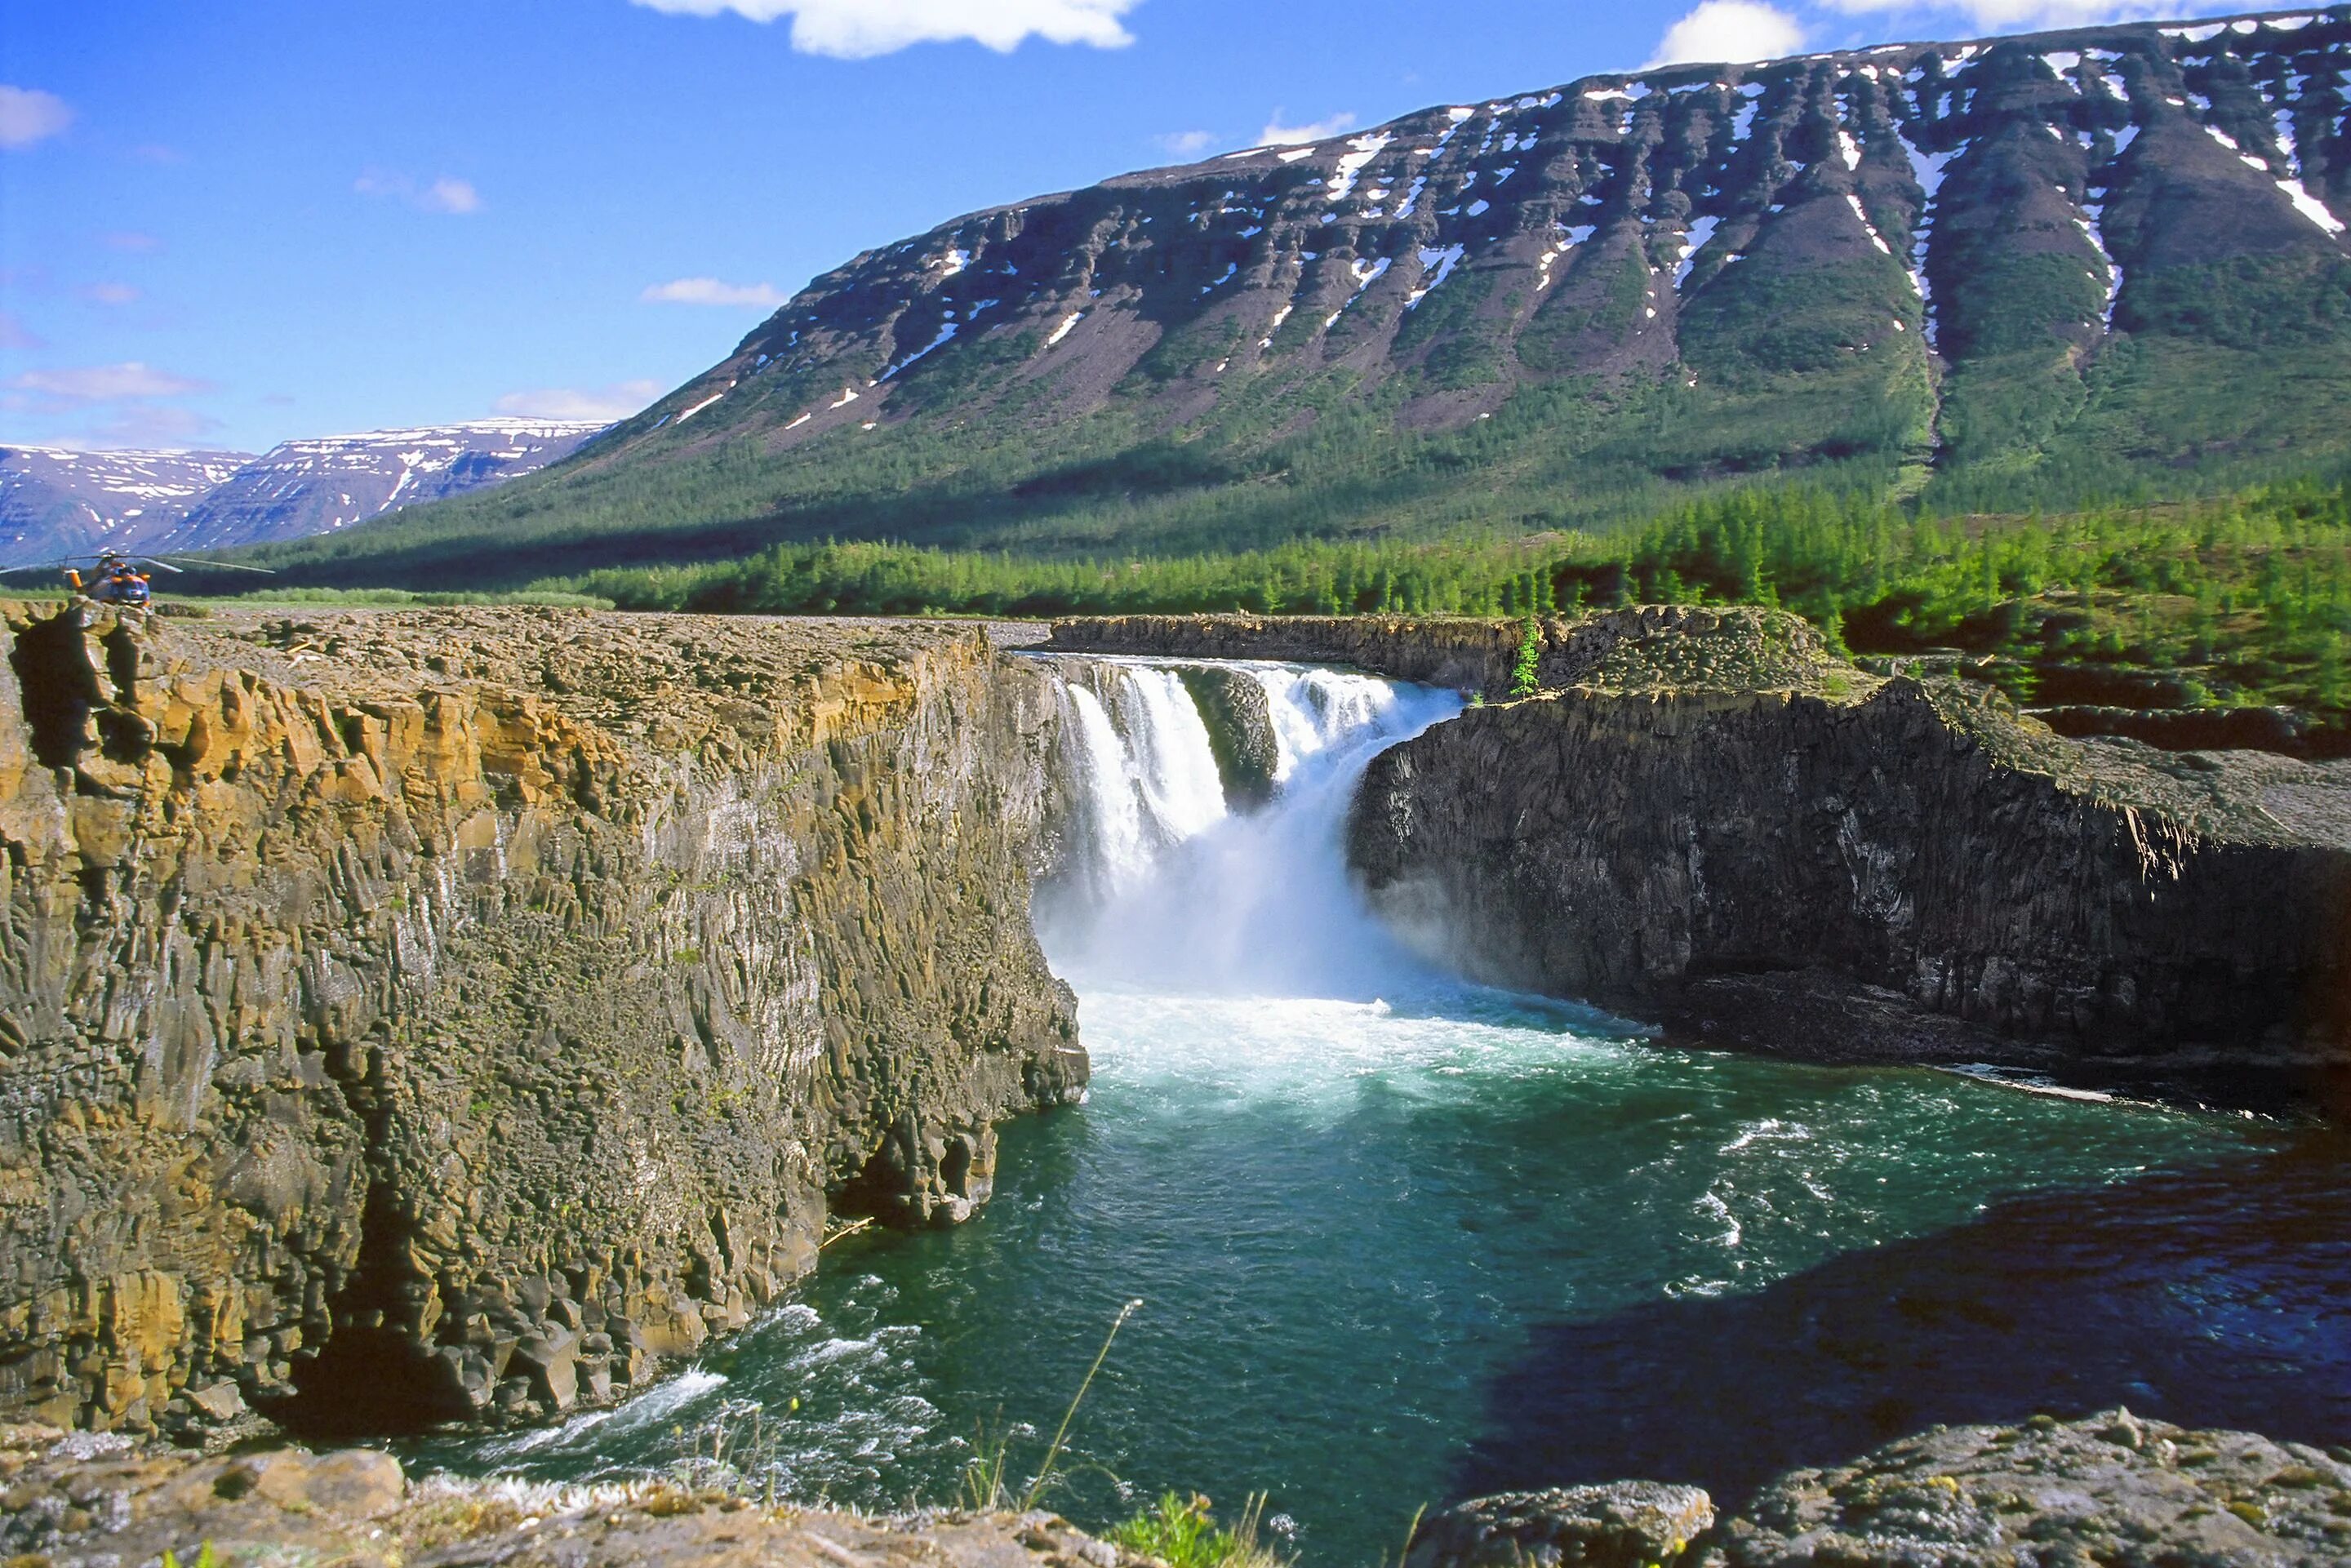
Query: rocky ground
point(2112, 1490)
point(98, 1500)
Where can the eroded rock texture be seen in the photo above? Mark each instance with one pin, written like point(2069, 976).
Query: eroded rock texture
point(98, 1501)
point(2110, 1488)
point(453, 1013)
point(1719, 824)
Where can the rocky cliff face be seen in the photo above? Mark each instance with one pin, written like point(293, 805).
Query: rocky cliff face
point(1462, 652)
point(1719, 824)
point(446, 1014)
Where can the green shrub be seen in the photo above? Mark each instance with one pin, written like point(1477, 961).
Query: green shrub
point(1183, 1533)
point(1524, 682)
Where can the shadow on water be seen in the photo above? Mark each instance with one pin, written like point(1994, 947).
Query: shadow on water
point(2214, 1297)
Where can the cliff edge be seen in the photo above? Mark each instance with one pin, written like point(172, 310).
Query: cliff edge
point(417, 1015)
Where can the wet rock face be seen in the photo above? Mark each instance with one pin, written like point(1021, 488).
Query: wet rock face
point(455, 1014)
point(1240, 720)
point(1769, 848)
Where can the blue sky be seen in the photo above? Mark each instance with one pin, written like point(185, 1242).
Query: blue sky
point(231, 223)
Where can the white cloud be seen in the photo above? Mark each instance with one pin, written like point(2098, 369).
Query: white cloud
point(618, 400)
point(28, 115)
point(131, 240)
point(447, 196)
point(15, 334)
point(1184, 143)
point(106, 383)
point(444, 194)
point(110, 294)
point(2009, 16)
point(861, 29)
point(1730, 31)
point(710, 291)
point(1277, 134)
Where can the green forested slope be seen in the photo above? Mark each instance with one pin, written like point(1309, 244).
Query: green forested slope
point(2090, 267)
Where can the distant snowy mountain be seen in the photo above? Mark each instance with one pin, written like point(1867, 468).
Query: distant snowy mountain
point(317, 486)
point(57, 503)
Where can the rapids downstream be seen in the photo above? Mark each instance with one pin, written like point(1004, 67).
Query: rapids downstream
point(1399, 1239)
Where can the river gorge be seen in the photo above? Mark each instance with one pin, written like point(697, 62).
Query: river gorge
point(488, 1078)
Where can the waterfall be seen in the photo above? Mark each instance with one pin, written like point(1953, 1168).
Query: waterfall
point(1170, 890)
point(1149, 774)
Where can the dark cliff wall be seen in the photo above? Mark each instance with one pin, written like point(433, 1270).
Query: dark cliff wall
point(1847, 868)
point(1441, 650)
point(1473, 654)
point(448, 1013)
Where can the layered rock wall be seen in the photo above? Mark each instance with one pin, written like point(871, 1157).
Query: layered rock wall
point(1440, 649)
point(1722, 826)
point(435, 1014)
point(1471, 653)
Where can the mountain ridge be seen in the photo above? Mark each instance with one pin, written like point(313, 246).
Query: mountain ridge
point(2005, 270)
point(60, 501)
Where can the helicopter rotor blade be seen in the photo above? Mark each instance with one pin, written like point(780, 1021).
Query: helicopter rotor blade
point(202, 565)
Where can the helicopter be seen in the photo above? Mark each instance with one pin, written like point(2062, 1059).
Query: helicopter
point(116, 576)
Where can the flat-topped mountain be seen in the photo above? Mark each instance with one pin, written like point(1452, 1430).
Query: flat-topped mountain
point(311, 487)
point(2019, 270)
point(55, 502)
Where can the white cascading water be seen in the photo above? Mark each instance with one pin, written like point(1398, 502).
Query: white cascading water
point(1150, 774)
point(1179, 894)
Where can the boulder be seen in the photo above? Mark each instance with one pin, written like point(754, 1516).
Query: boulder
point(1240, 721)
point(1618, 1524)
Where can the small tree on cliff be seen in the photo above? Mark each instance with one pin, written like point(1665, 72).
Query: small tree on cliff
point(1522, 675)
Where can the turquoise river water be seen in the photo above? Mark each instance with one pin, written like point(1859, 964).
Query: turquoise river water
point(1398, 1239)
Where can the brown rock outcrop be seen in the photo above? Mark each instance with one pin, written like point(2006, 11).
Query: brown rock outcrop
point(91, 1498)
point(427, 1014)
